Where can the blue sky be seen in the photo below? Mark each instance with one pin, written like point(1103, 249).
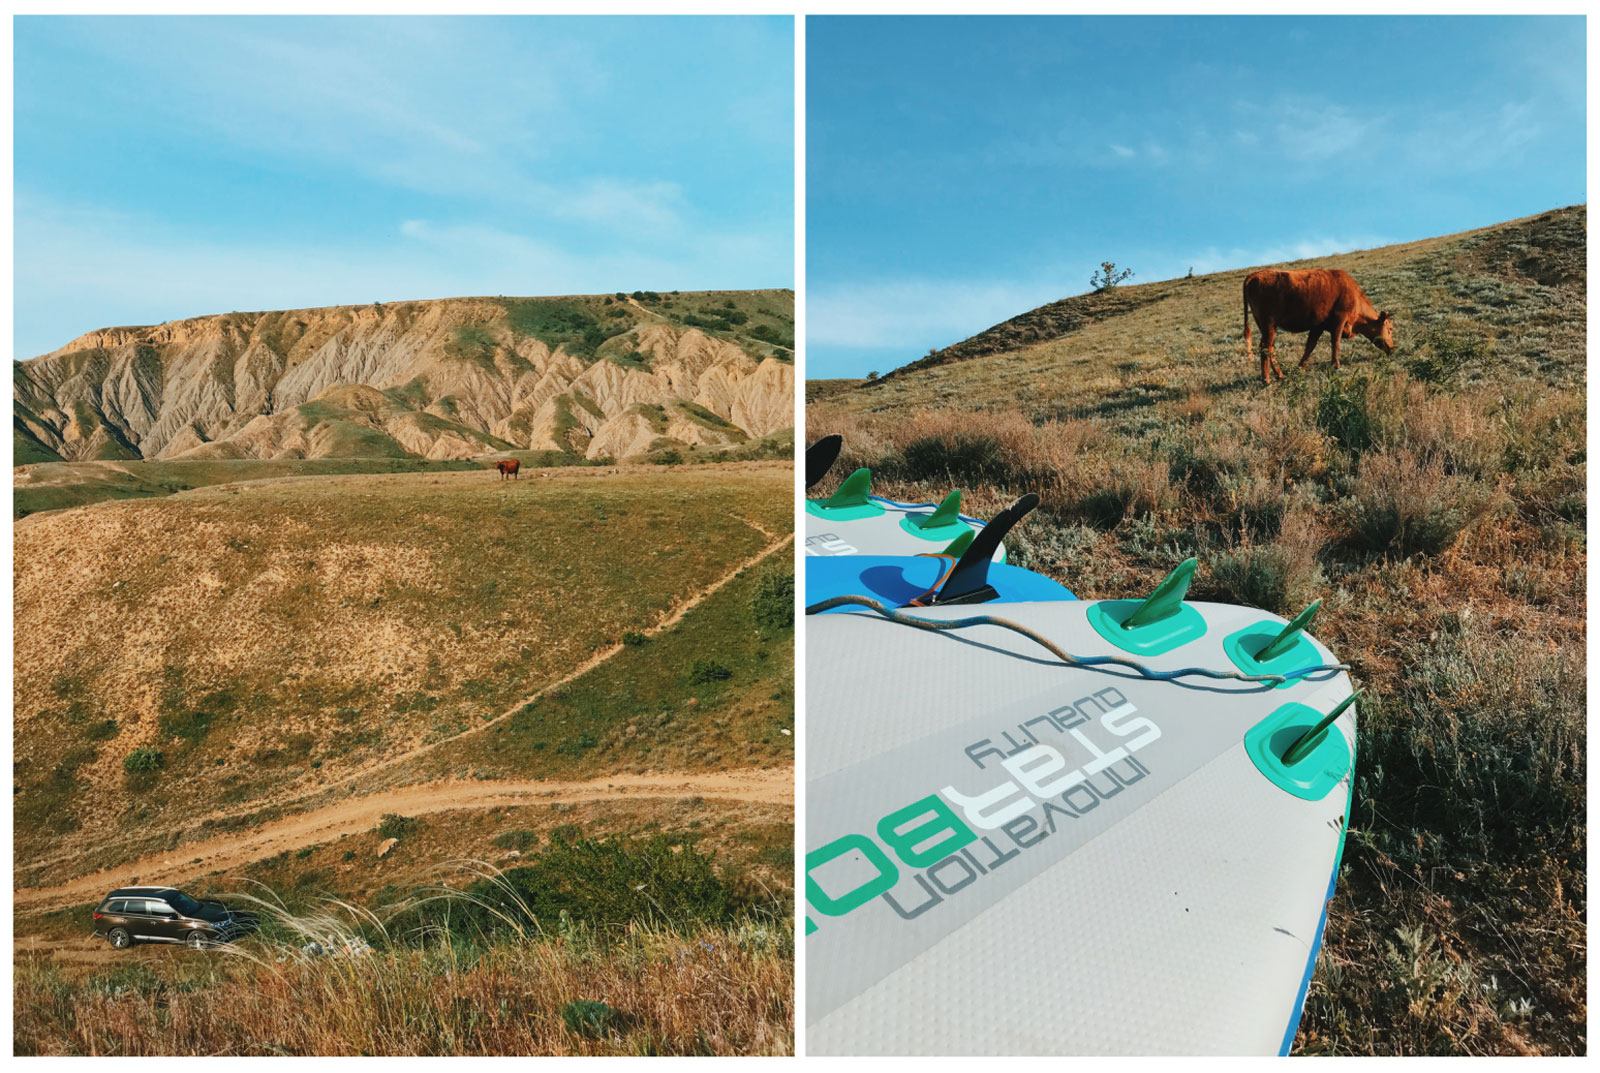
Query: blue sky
point(171, 167)
point(962, 170)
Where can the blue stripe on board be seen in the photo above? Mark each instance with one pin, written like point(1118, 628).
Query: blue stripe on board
point(1311, 968)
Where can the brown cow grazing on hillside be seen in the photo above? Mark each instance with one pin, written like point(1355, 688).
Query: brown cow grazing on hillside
point(508, 468)
point(1315, 300)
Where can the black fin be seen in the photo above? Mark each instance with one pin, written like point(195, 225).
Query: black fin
point(968, 582)
point(820, 457)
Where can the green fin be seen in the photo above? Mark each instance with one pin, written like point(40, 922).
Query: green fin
point(1303, 744)
point(949, 513)
point(1281, 643)
point(853, 492)
point(960, 543)
point(1167, 600)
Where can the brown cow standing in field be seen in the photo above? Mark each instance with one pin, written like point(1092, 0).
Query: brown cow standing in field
point(1315, 300)
point(508, 468)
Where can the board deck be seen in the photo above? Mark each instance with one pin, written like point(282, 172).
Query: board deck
point(1007, 855)
point(881, 527)
point(899, 579)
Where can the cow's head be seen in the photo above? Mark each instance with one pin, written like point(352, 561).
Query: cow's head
point(1381, 332)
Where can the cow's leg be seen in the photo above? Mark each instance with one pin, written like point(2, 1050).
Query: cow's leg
point(1269, 333)
point(1336, 332)
point(1312, 337)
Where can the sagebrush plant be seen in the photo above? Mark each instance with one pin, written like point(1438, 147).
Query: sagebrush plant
point(1435, 501)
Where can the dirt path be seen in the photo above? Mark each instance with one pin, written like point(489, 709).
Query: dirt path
point(669, 620)
point(770, 786)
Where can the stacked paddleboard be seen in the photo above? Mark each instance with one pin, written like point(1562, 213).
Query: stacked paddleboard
point(1057, 826)
point(853, 521)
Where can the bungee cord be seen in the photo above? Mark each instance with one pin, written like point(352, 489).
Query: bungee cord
point(899, 616)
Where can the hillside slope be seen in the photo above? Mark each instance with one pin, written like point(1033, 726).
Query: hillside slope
point(602, 376)
point(1435, 501)
point(1518, 286)
point(197, 663)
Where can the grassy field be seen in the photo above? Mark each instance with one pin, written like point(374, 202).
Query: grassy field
point(1434, 500)
point(558, 954)
point(45, 486)
point(225, 652)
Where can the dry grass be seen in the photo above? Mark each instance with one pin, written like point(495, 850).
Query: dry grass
point(365, 615)
point(707, 989)
point(1435, 501)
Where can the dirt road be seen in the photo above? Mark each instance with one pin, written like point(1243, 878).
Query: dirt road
point(772, 786)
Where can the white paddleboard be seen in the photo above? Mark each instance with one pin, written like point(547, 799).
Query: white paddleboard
point(1007, 855)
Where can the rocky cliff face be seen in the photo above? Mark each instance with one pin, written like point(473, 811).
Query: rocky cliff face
point(597, 376)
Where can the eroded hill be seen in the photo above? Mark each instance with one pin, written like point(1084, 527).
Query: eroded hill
point(612, 376)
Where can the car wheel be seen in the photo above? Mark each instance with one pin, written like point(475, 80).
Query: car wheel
point(197, 941)
point(120, 938)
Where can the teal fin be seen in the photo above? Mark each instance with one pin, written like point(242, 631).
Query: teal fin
point(960, 543)
point(1167, 600)
point(1285, 640)
point(853, 492)
point(949, 513)
point(1304, 743)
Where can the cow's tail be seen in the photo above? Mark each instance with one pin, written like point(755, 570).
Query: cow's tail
point(1246, 320)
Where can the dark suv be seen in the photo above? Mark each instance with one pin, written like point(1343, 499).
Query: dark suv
point(167, 915)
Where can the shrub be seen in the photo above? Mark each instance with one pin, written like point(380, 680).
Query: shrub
point(1274, 577)
point(1108, 276)
point(591, 1020)
point(518, 840)
point(191, 726)
point(773, 602)
point(960, 458)
point(705, 669)
point(1444, 357)
point(102, 730)
point(633, 638)
point(1342, 412)
point(614, 882)
point(394, 826)
point(1403, 504)
point(565, 832)
point(142, 761)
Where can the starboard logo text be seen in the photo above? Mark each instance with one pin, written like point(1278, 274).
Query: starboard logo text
point(828, 544)
point(1053, 769)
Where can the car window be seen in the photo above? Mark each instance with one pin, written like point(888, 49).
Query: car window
point(116, 907)
point(183, 903)
point(159, 909)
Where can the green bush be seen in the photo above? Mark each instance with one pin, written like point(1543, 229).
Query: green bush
point(102, 730)
point(969, 459)
point(1444, 357)
point(393, 826)
point(773, 602)
point(705, 669)
point(1343, 414)
point(191, 726)
point(518, 840)
point(142, 760)
point(777, 337)
point(633, 638)
point(660, 881)
point(591, 1020)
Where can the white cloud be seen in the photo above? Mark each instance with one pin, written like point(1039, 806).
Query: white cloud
point(1217, 259)
point(115, 269)
point(917, 314)
point(1122, 151)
